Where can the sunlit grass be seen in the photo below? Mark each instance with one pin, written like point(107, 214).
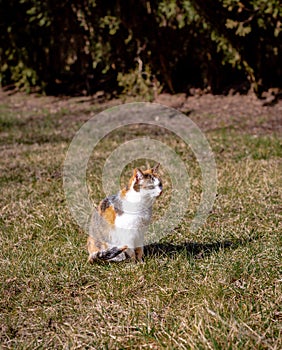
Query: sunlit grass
point(218, 288)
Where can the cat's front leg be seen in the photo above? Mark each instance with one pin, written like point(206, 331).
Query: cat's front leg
point(130, 254)
point(92, 249)
point(134, 254)
point(139, 254)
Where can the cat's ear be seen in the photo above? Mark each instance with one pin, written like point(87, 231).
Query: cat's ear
point(138, 174)
point(156, 168)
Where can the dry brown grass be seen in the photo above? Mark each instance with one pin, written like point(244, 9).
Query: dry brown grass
point(219, 288)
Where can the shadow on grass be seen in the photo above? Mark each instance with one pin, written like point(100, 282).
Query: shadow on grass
point(197, 250)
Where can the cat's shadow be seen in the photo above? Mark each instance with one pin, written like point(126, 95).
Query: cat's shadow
point(194, 249)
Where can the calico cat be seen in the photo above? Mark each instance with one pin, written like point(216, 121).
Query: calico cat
point(117, 230)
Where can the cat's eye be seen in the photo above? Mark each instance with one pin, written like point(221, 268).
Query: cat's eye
point(149, 187)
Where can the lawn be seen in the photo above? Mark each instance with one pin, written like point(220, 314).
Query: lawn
point(217, 288)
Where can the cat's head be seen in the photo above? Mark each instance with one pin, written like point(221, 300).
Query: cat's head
point(147, 183)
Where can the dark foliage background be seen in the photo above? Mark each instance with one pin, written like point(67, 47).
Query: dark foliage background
point(139, 47)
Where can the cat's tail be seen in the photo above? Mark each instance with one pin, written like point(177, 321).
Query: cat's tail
point(106, 255)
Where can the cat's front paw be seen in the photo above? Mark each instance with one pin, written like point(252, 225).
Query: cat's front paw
point(92, 258)
point(107, 254)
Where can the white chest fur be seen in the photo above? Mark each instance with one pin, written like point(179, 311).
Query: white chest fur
point(131, 225)
point(134, 219)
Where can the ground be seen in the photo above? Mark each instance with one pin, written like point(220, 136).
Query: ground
point(217, 288)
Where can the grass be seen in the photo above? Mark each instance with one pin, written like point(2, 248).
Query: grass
point(218, 288)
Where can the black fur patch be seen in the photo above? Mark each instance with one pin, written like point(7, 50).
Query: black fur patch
point(105, 204)
point(118, 210)
point(114, 201)
point(136, 187)
point(109, 253)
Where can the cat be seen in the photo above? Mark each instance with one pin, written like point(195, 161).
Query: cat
point(116, 231)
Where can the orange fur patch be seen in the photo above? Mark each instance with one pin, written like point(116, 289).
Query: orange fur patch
point(125, 189)
point(132, 178)
point(109, 215)
point(123, 192)
point(93, 246)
